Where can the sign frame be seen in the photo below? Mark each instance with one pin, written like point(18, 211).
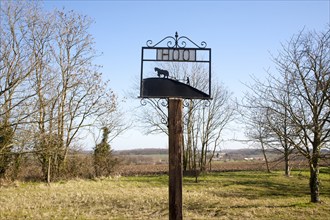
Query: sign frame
point(178, 50)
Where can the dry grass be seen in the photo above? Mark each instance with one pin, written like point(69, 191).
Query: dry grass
point(230, 195)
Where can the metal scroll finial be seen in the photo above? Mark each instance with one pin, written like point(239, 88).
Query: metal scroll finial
point(176, 42)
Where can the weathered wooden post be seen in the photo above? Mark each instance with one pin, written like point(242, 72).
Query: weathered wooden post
point(174, 91)
point(175, 157)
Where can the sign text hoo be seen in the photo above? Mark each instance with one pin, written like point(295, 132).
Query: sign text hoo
point(168, 54)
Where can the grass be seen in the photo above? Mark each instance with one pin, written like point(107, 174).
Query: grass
point(230, 195)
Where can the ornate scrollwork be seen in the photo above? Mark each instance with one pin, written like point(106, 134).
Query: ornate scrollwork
point(155, 102)
point(191, 103)
point(143, 102)
point(207, 103)
point(149, 43)
point(176, 42)
point(164, 121)
point(171, 40)
point(163, 102)
point(188, 102)
point(158, 105)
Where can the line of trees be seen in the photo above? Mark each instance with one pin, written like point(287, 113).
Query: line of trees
point(51, 92)
point(290, 110)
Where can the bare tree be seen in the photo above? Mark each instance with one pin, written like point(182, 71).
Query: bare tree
point(256, 127)
point(215, 118)
point(305, 64)
point(296, 102)
point(266, 120)
point(15, 66)
point(279, 126)
point(14, 52)
point(76, 96)
point(49, 83)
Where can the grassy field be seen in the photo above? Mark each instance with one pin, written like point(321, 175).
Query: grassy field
point(228, 195)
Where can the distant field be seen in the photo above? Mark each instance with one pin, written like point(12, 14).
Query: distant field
point(144, 159)
point(221, 195)
point(217, 166)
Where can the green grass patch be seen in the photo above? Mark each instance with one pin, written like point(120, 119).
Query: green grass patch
point(230, 195)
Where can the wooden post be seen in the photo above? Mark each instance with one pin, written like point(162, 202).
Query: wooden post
point(175, 158)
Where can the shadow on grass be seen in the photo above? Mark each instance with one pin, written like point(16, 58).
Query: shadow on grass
point(258, 185)
point(223, 208)
point(266, 189)
point(325, 170)
point(294, 205)
point(250, 185)
point(156, 180)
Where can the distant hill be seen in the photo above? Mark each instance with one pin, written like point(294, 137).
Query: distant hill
point(154, 151)
point(231, 154)
point(142, 151)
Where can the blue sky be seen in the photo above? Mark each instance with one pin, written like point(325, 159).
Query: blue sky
point(242, 35)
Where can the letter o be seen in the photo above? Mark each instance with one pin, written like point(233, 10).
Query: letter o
point(176, 55)
point(186, 55)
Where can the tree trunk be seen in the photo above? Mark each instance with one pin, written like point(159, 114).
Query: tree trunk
point(286, 161)
point(314, 183)
point(49, 169)
point(265, 156)
point(184, 157)
point(17, 165)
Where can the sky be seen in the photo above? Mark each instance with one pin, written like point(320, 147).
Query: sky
point(243, 36)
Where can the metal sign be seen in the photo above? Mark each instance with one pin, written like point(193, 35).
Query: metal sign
point(176, 49)
point(167, 86)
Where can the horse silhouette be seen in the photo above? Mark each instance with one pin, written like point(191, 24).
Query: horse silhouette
point(161, 72)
